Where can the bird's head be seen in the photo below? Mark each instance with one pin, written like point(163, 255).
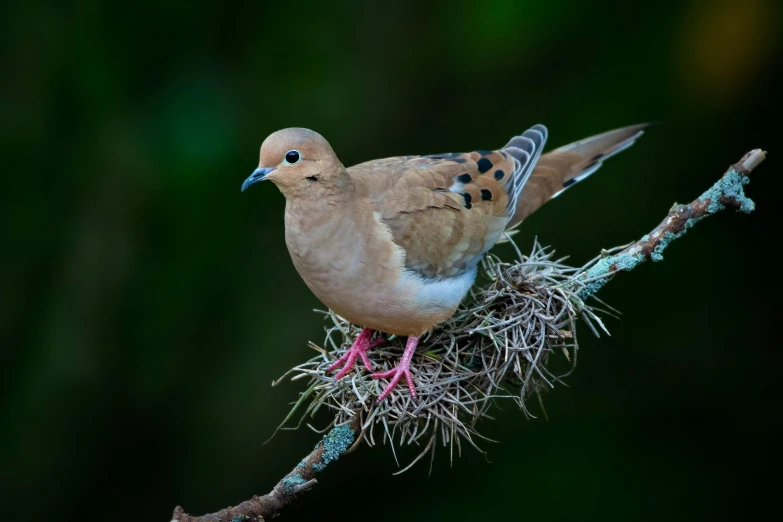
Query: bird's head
point(300, 162)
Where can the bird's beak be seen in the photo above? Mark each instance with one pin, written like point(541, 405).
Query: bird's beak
point(258, 175)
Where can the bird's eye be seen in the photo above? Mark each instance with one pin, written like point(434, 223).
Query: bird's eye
point(292, 156)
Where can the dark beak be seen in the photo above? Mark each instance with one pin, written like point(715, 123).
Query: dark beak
point(258, 175)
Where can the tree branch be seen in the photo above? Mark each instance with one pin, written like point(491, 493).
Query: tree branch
point(301, 479)
point(726, 193)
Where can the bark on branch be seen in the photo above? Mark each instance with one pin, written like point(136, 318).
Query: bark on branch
point(302, 478)
point(726, 193)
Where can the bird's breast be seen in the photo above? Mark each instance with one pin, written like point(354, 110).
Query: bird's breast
point(347, 258)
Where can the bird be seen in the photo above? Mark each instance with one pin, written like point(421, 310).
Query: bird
point(393, 244)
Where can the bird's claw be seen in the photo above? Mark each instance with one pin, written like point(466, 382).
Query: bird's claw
point(402, 369)
point(358, 349)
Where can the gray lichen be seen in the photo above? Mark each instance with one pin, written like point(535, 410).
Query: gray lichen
point(657, 253)
point(599, 272)
point(730, 186)
point(290, 482)
point(668, 237)
point(335, 443)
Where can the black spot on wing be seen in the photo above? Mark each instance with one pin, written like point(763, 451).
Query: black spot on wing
point(483, 165)
point(486, 195)
point(464, 178)
point(468, 199)
point(499, 174)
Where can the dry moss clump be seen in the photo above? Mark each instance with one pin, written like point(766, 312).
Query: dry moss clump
point(498, 345)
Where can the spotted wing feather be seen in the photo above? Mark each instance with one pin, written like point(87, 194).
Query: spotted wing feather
point(447, 210)
point(444, 210)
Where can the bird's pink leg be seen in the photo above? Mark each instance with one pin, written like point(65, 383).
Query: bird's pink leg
point(404, 368)
point(359, 348)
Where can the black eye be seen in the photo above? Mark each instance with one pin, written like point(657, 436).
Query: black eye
point(292, 156)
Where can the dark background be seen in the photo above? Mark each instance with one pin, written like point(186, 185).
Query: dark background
point(146, 305)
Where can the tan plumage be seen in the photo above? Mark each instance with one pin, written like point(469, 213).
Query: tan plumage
point(574, 161)
point(393, 244)
point(414, 200)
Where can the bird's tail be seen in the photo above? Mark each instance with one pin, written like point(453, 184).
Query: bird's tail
point(561, 168)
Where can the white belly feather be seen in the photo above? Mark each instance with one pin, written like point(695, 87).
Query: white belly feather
point(440, 293)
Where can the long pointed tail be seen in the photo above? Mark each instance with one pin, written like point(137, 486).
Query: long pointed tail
point(562, 168)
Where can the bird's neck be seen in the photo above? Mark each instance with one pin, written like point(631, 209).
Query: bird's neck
point(314, 219)
point(322, 202)
point(318, 216)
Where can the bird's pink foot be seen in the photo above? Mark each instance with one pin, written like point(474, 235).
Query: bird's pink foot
point(358, 349)
point(402, 369)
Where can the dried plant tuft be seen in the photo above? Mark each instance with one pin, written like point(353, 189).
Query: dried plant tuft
point(497, 346)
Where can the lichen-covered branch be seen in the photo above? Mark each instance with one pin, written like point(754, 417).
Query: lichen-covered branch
point(302, 478)
point(726, 193)
point(495, 347)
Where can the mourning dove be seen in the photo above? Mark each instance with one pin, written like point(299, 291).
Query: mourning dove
point(393, 244)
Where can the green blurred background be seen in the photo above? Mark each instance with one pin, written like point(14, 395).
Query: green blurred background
point(146, 305)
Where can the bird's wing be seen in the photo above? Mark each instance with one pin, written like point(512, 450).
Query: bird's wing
point(447, 210)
